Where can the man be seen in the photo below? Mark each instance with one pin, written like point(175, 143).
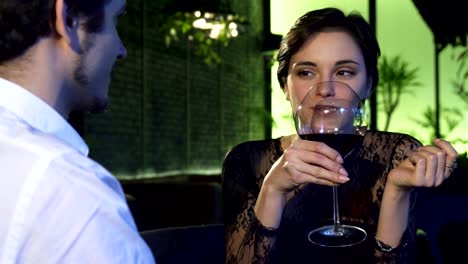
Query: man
point(56, 204)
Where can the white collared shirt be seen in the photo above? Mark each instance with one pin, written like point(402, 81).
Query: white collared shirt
point(56, 204)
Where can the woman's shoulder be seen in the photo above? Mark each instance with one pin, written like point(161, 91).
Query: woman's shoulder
point(391, 138)
point(386, 146)
point(244, 162)
point(250, 147)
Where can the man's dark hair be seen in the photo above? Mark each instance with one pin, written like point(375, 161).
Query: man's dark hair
point(327, 19)
point(24, 22)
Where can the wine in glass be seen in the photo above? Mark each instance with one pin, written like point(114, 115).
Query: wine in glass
point(332, 112)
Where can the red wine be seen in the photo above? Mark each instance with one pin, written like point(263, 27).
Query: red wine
point(343, 143)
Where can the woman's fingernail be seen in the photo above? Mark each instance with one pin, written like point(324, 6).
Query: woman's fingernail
point(343, 179)
point(343, 172)
point(340, 159)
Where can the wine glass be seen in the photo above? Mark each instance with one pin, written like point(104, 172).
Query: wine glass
point(332, 112)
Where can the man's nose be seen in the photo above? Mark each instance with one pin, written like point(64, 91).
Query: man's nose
point(122, 52)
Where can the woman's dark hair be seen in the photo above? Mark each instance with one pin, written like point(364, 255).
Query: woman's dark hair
point(322, 20)
point(23, 22)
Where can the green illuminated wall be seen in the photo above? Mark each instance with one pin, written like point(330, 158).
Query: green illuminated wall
point(171, 113)
point(401, 31)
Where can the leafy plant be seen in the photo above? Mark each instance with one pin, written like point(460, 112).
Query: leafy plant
point(180, 26)
point(461, 76)
point(395, 79)
point(463, 160)
point(452, 118)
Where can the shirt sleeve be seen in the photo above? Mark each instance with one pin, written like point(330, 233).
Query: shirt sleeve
point(108, 239)
point(81, 216)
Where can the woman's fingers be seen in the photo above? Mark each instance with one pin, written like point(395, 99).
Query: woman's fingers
point(323, 162)
point(319, 147)
point(317, 172)
point(433, 164)
point(320, 161)
point(451, 157)
point(315, 162)
point(308, 178)
point(320, 171)
point(429, 166)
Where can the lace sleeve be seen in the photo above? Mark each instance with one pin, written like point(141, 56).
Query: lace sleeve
point(247, 240)
point(404, 252)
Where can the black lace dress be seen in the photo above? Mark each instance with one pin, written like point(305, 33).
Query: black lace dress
point(247, 241)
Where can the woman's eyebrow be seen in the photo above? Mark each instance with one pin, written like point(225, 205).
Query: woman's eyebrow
point(305, 63)
point(341, 62)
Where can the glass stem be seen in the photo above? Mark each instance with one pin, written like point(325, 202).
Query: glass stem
point(336, 214)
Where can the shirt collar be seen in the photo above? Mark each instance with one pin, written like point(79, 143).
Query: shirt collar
point(39, 114)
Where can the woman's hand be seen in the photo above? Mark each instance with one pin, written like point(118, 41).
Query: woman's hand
point(306, 162)
point(302, 162)
point(429, 166)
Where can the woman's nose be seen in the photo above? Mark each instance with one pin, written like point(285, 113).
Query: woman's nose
point(326, 89)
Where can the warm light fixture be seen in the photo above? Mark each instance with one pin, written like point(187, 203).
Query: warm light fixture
point(205, 24)
point(215, 24)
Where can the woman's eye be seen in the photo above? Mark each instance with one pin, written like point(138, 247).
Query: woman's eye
point(305, 73)
point(345, 73)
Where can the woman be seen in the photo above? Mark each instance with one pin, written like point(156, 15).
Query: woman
point(277, 190)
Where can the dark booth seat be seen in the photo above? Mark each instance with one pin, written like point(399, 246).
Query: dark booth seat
point(443, 216)
point(174, 201)
point(199, 244)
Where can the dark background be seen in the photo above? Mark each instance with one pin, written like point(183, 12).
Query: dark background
point(170, 112)
point(174, 115)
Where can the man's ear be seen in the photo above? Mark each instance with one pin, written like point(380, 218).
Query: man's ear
point(66, 26)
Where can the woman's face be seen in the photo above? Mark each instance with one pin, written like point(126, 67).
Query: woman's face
point(326, 56)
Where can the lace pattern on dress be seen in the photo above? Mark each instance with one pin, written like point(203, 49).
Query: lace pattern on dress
point(246, 165)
